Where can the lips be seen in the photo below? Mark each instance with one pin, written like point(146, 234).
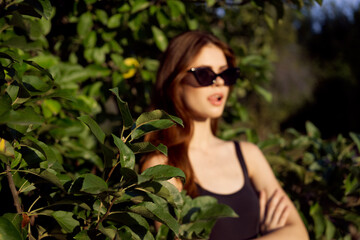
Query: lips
point(216, 99)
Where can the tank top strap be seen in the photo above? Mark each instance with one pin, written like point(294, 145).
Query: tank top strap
point(241, 159)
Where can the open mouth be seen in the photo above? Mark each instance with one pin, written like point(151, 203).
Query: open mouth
point(216, 99)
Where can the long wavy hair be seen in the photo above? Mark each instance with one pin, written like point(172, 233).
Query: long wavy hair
point(174, 65)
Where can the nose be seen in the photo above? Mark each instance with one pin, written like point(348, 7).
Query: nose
point(218, 81)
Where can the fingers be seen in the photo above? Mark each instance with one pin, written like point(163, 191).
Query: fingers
point(280, 214)
point(274, 212)
point(262, 201)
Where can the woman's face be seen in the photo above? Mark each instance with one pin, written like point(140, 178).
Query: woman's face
point(206, 102)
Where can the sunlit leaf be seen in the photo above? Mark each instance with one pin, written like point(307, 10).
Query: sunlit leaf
point(153, 121)
point(17, 117)
point(93, 184)
point(312, 130)
point(124, 110)
point(114, 21)
point(127, 157)
point(65, 220)
point(163, 172)
point(94, 127)
point(41, 69)
point(143, 147)
point(139, 5)
point(176, 8)
point(160, 38)
point(156, 212)
point(85, 24)
point(319, 221)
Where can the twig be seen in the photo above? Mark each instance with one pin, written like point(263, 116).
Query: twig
point(107, 213)
point(13, 190)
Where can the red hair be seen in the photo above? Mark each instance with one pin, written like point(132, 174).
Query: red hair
point(176, 60)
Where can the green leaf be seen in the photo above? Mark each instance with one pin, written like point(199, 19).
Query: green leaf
point(90, 1)
point(65, 220)
point(114, 21)
point(124, 110)
point(138, 224)
point(90, 40)
point(354, 137)
point(41, 69)
point(8, 231)
point(49, 175)
point(210, 3)
point(151, 127)
point(193, 24)
point(153, 121)
point(50, 107)
point(97, 71)
point(197, 230)
point(163, 232)
point(143, 147)
point(163, 172)
point(127, 157)
point(82, 235)
point(312, 130)
point(212, 210)
point(85, 24)
point(319, 2)
point(139, 5)
point(264, 93)
point(319, 221)
point(47, 151)
point(176, 8)
point(35, 85)
point(93, 184)
point(18, 117)
point(160, 39)
point(5, 104)
point(350, 184)
point(165, 190)
point(330, 229)
point(162, 19)
point(94, 127)
point(156, 212)
point(102, 16)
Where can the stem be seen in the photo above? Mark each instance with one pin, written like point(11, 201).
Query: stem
point(13, 190)
point(106, 214)
point(33, 203)
point(111, 171)
point(122, 132)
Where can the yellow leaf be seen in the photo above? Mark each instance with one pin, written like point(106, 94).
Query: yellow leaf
point(130, 62)
point(2, 145)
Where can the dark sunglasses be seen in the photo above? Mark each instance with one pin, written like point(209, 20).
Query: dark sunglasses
point(206, 77)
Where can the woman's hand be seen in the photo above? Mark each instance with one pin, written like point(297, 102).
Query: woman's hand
point(273, 211)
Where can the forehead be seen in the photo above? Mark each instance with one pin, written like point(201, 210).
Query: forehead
point(210, 55)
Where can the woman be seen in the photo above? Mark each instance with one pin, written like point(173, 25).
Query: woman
point(193, 82)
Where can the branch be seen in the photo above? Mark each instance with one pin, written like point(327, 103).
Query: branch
point(13, 190)
point(107, 213)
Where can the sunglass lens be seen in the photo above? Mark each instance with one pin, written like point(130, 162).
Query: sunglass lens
point(205, 76)
point(230, 76)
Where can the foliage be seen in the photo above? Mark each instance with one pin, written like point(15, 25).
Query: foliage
point(62, 185)
point(60, 159)
point(322, 177)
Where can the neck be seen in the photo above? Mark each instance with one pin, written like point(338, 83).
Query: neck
point(202, 136)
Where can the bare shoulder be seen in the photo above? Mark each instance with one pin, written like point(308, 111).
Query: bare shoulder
point(153, 160)
point(253, 156)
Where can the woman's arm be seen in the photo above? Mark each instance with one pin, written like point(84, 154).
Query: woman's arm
point(279, 207)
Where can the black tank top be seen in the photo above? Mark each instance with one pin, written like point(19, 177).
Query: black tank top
point(244, 202)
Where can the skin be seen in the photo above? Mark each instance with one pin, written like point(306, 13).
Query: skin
point(278, 215)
